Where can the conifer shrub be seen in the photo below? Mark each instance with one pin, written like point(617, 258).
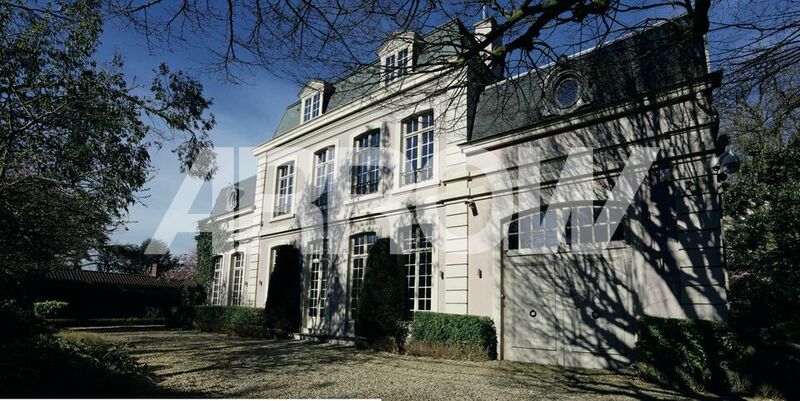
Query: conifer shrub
point(283, 310)
point(382, 297)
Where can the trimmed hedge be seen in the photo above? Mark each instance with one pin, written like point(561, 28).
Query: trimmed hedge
point(239, 320)
point(50, 309)
point(452, 336)
point(698, 355)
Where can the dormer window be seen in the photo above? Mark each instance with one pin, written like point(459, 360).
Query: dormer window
point(312, 99)
point(396, 65)
point(396, 55)
point(312, 106)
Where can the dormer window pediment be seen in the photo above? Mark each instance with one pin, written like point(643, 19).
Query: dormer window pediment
point(313, 99)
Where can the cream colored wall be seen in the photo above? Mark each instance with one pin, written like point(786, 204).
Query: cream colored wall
point(390, 204)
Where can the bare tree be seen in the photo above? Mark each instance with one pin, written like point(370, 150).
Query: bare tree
point(752, 41)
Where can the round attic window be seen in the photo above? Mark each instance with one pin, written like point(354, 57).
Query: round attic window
point(233, 199)
point(566, 92)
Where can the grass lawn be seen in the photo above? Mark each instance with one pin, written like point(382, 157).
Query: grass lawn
point(214, 365)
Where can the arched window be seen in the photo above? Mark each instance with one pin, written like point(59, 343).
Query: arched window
point(582, 224)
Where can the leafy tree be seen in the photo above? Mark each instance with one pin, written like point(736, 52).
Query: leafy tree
point(763, 236)
point(762, 225)
point(283, 311)
point(135, 259)
point(382, 298)
point(74, 135)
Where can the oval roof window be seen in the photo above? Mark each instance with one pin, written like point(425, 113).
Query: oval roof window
point(566, 92)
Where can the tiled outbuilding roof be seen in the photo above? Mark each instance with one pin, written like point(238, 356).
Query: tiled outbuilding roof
point(118, 279)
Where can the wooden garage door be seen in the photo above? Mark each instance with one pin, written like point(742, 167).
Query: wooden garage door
point(563, 307)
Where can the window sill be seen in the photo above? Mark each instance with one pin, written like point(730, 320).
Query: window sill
point(429, 183)
point(282, 217)
point(364, 197)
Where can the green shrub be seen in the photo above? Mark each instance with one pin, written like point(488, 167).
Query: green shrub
point(453, 336)
point(698, 355)
point(18, 321)
point(382, 297)
point(44, 365)
point(283, 310)
point(239, 320)
point(50, 309)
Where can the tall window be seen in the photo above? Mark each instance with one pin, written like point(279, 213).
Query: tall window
point(284, 190)
point(216, 285)
point(366, 169)
point(359, 250)
point(418, 148)
point(318, 280)
point(418, 261)
point(237, 292)
point(323, 173)
point(312, 106)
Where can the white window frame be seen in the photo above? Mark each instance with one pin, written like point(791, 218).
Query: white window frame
point(402, 62)
point(324, 172)
point(396, 65)
point(216, 283)
point(284, 190)
point(417, 244)
point(360, 244)
point(317, 291)
point(366, 168)
point(312, 106)
point(419, 149)
point(582, 226)
point(237, 279)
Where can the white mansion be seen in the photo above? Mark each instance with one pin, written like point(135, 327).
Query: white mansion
point(435, 165)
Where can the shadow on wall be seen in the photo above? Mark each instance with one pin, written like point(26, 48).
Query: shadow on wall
point(588, 305)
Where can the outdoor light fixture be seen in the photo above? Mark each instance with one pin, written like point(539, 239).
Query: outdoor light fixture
point(726, 163)
point(473, 207)
point(441, 274)
point(480, 273)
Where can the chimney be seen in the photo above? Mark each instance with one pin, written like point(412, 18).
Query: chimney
point(153, 269)
point(480, 30)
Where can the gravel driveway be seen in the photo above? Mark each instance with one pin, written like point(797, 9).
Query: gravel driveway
point(213, 365)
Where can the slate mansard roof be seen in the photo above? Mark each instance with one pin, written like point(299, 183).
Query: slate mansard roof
point(247, 197)
point(649, 61)
point(432, 45)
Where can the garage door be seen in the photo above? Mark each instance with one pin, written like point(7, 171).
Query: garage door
point(563, 307)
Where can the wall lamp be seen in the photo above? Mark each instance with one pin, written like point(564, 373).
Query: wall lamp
point(473, 207)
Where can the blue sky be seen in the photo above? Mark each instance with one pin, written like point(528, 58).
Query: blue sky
point(246, 115)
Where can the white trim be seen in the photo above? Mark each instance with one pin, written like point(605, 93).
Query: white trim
point(295, 185)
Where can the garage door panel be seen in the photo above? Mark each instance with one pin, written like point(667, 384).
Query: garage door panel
point(584, 302)
point(532, 304)
point(531, 274)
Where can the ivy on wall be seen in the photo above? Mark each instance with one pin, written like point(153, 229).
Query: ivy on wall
point(205, 259)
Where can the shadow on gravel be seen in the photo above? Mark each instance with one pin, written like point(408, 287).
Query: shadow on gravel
point(193, 364)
